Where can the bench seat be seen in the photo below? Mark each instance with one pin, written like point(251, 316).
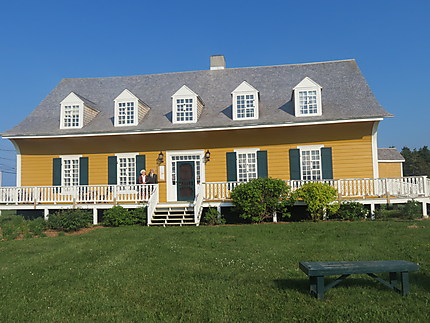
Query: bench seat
point(316, 270)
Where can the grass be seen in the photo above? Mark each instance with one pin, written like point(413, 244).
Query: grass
point(243, 273)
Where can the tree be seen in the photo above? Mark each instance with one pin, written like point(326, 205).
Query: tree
point(260, 198)
point(417, 162)
point(320, 199)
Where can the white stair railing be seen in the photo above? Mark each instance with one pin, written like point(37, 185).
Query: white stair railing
point(152, 204)
point(198, 209)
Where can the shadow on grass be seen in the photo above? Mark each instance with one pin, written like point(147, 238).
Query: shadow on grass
point(302, 285)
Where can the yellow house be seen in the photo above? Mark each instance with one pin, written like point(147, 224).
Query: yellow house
point(200, 131)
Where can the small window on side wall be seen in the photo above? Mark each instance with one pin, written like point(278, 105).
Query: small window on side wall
point(307, 98)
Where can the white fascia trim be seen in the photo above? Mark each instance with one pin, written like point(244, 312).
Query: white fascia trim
point(18, 163)
point(375, 149)
point(276, 125)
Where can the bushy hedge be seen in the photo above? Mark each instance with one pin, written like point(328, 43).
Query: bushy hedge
point(14, 226)
point(118, 216)
point(70, 220)
point(320, 199)
point(352, 211)
point(260, 198)
point(212, 217)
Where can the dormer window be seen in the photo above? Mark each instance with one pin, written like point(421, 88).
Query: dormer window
point(76, 112)
point(307, 98)
point(186, 106)
point(245, 102)
point(129, 110)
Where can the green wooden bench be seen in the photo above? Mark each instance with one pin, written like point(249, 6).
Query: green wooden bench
point(318, 269)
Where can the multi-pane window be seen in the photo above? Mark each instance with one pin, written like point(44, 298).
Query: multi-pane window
point(246, 166)
point(184, 110)
point(70, 172)
point(71, 116)
point(127, 170)
point(126, 113)
point(197, 164)
point(308, 102)
point(311, 164)
point(245, 106)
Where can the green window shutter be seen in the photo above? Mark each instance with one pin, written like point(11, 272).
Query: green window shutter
point(140, 164)
point(231, 167)
point(112, 170)
point(327, 163)
point(56, 174)
point(295, 164)
point(262, 168)
point(83, 171)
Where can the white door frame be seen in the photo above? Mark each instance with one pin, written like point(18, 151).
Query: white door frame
point(171, 189)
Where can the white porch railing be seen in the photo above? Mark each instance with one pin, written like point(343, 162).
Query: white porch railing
point(406, 187)
point(77, 194)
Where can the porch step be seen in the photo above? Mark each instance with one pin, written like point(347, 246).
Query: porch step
point(173, 215)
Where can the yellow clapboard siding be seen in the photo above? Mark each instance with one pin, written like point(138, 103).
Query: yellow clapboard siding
point(351, 147)
point(390, 169)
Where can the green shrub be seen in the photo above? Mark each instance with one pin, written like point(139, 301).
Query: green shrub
point(411, 210)
point(37, 226)
point(13, 226)
point(213, 217)
point(386, 212)
point(69, 220)
point(139, 215)
point(320, 199)
point(118, 216)
point(352, 211)
point(260, 198)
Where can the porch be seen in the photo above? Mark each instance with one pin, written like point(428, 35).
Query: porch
point(368, 191)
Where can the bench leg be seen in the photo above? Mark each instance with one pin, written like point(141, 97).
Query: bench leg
point(393, 280)
point(404, 277)
point(317, 286)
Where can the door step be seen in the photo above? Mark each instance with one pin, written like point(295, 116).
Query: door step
point(179, 215)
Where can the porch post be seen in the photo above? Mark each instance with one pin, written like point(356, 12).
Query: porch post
point(95, 216)
point(425, 215)
point(45, 214)
point(372, 211)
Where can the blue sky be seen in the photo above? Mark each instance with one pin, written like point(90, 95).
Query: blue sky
point(45, 41)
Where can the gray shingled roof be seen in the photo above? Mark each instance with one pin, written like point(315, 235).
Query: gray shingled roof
point(388, 154)
point(345, 95)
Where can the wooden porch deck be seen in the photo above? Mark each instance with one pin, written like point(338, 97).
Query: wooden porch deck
point(364, 190)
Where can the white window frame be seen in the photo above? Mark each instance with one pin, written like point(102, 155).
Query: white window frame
point(126, 97)
point(118, 169)
point(71, 158)
point(248, 173)
point(245, 89)
point(307, 85)
point(184, 93)
point(72, 100)
point(310, 148)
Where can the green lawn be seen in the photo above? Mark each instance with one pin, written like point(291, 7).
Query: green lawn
point(243, 273)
